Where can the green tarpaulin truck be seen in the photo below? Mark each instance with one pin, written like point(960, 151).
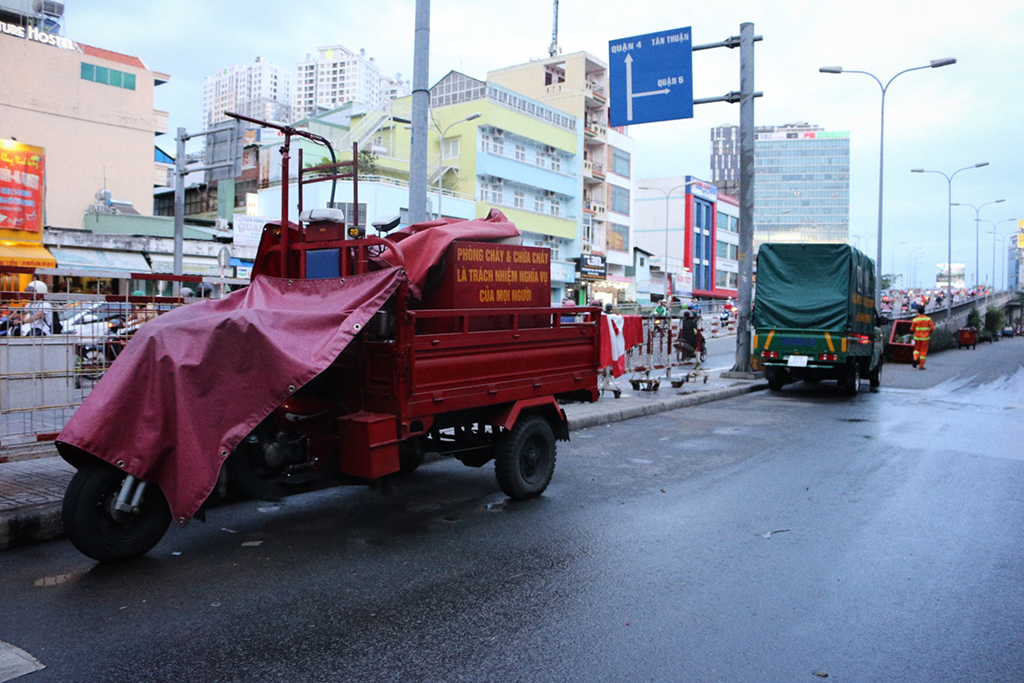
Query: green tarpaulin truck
point(814, 315)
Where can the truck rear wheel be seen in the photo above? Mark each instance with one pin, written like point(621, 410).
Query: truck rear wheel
point(525, 458)
point(775, 380)
point(853, 379)
point(875, 376)
point(99, 531)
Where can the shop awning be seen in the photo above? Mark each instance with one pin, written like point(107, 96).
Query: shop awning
point(100, 259)
point(190, 265)
point(26, 255)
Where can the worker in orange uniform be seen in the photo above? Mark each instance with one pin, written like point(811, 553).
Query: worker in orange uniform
point(922, 326)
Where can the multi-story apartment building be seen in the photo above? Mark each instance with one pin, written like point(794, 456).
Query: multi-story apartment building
point(725, 159)
point(576, 84)
point(336, 75)
point(393, 88)
point(727, 245)
point(91, 110)
point(488, 147)
point(801, 185)
point(261, 90)
point(680, 222)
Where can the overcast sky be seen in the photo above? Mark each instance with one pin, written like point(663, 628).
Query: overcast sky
point(942, 119)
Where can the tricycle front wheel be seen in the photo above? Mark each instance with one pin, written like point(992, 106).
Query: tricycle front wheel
point(525, 458)
point(100, 531)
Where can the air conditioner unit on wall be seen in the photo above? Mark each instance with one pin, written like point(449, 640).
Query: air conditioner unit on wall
point(550, 150)
point(549, 193)
point(498, 181)
point(499, 131)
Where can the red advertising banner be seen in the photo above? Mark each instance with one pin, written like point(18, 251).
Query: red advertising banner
point(487, 275)
point(21, 187)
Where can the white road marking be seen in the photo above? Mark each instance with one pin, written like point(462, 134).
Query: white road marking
point(15, 662)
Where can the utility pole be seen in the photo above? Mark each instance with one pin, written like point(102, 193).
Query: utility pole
point(180, 162)
point(746, 252)
point(420, 105)
point(179, 201)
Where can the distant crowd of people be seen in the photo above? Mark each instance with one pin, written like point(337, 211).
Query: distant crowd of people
point(39, 317)
point(906, 301)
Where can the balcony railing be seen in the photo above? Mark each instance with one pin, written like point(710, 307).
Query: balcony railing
point(595, 130)
point(595, 90)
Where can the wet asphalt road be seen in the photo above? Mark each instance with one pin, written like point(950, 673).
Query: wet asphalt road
point(770, 537)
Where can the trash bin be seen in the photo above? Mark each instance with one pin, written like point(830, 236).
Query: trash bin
point(901, 342)
point(967, 336)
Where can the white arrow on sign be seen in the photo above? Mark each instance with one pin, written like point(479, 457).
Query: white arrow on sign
point(2, 218)
point(629, 88)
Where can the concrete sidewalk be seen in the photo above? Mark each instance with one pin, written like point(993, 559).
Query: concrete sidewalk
point(31, 491)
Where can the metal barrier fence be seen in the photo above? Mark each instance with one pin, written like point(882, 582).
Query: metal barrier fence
point(45, 377)
point(660, 352)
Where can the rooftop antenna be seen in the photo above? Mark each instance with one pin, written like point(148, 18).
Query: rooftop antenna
point(553, 49)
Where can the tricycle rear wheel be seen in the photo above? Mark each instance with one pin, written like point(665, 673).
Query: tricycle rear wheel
point(525, 458)
point(90, 522)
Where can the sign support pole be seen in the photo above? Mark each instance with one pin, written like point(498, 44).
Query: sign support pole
point(746, 251)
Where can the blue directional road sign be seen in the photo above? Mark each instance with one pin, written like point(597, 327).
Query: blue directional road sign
point(651, 78)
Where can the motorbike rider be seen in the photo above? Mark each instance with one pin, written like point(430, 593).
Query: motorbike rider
point(689, 337)
point(39, 311)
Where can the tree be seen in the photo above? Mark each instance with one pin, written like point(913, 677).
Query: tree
point(995, 319)
point(888, 280)
point(368, 165)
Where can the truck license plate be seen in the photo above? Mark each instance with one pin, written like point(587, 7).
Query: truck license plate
point(797, 361)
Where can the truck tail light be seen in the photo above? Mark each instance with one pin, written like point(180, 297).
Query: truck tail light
point(828, 356)
point(860, 338)
point(769, 354)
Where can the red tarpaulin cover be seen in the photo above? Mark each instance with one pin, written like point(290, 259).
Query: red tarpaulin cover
point(195, 381)
point(619, 334)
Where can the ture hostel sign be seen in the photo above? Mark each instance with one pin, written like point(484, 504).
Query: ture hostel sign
point(35, 34)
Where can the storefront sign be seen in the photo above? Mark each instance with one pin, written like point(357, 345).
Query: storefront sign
point(593, 267)
point(247, 230)
point(39, 36)
point(702, 189)
point(21, 186)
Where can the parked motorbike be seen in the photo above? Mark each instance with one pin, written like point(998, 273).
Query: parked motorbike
point(95, 355)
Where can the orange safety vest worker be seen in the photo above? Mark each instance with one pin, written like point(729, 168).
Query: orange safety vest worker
point(922, 326)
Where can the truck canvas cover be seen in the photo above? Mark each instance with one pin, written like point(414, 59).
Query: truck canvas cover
point(824, 287)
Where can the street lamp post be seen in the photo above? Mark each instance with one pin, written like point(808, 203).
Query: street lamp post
point(949, 231)
point(440, 154)
point(892, 258)
point(977, 239)
point(934, 64)
point(1002, 238)
point(912, 257)
point(667, 194)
